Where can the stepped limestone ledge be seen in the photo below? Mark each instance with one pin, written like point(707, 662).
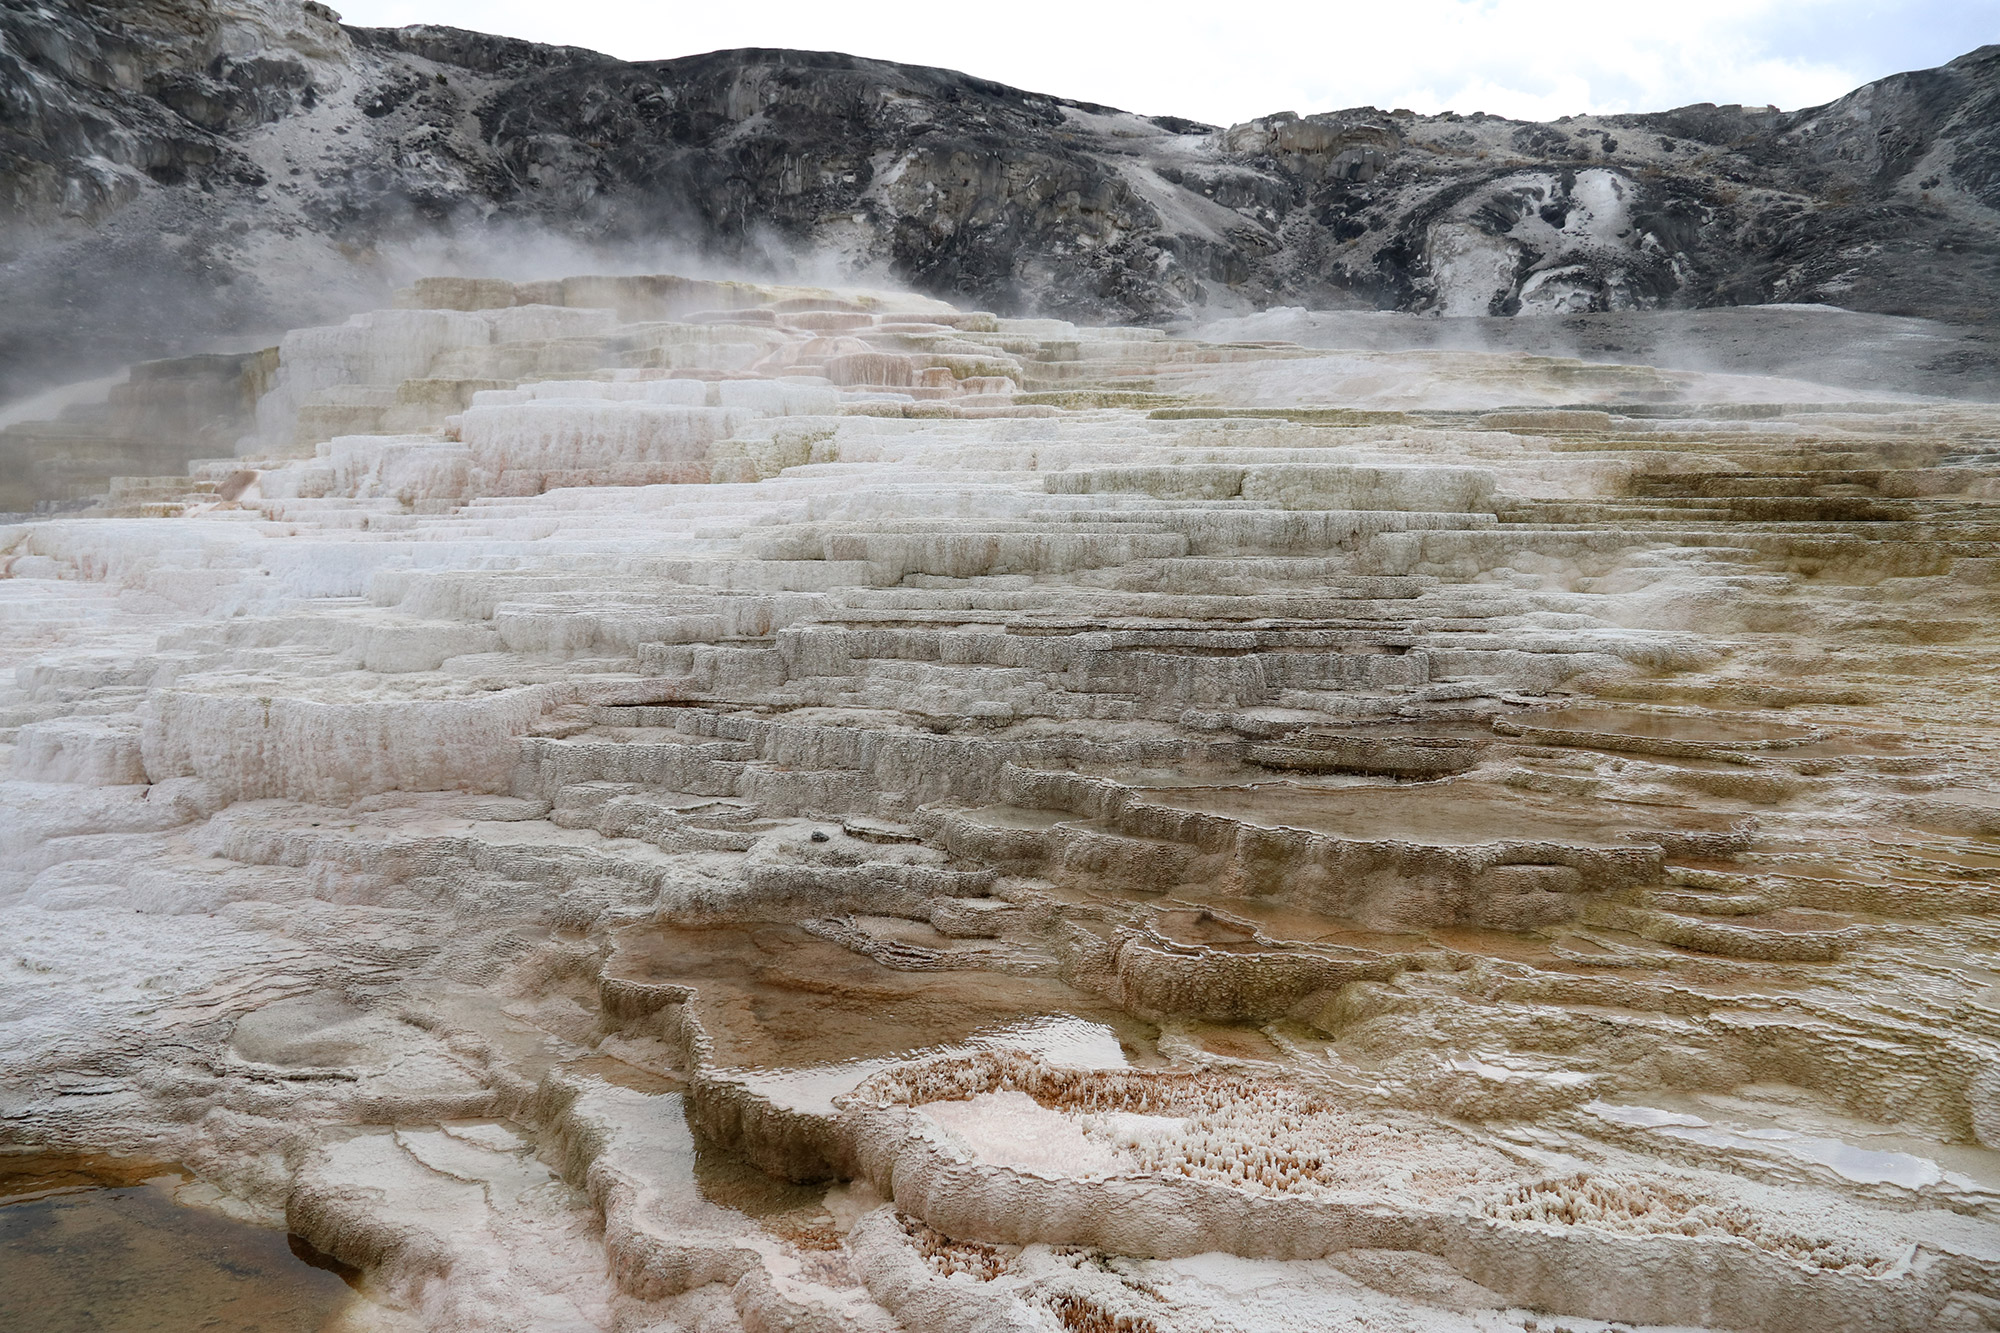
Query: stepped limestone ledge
point(653, 804)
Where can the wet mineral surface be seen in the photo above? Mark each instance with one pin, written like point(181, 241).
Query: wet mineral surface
point(93, 1244)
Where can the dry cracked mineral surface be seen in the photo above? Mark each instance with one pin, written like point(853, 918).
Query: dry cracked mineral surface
point(646, 804)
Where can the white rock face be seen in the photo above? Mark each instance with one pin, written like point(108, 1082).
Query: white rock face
point(837, 812)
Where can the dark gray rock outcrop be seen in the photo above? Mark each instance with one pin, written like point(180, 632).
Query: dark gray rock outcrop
point(176, 172)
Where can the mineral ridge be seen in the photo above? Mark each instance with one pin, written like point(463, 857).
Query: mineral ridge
point(645, 804)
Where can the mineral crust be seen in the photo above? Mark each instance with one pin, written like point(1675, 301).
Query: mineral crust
point(648, 804)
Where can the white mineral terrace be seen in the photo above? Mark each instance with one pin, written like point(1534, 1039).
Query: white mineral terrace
point(640, 804)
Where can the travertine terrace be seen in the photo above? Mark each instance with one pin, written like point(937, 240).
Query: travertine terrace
point(635, 803)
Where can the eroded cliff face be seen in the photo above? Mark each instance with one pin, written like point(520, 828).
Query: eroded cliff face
point(172, 172)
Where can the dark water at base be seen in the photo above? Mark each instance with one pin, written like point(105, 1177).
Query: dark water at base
point(98, 1245)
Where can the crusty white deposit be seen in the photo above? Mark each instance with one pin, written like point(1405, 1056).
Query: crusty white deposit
point(636, 804)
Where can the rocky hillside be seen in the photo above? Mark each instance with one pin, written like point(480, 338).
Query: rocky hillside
point(176, 171)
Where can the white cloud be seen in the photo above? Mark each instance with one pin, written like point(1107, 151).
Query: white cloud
point(1528, 58)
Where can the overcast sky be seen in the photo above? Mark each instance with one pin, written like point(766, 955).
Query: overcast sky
point(1227, 62)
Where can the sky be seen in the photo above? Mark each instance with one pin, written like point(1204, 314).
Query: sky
point(1224, 63)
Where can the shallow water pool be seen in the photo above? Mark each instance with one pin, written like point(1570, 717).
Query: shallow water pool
point(98, 1245)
